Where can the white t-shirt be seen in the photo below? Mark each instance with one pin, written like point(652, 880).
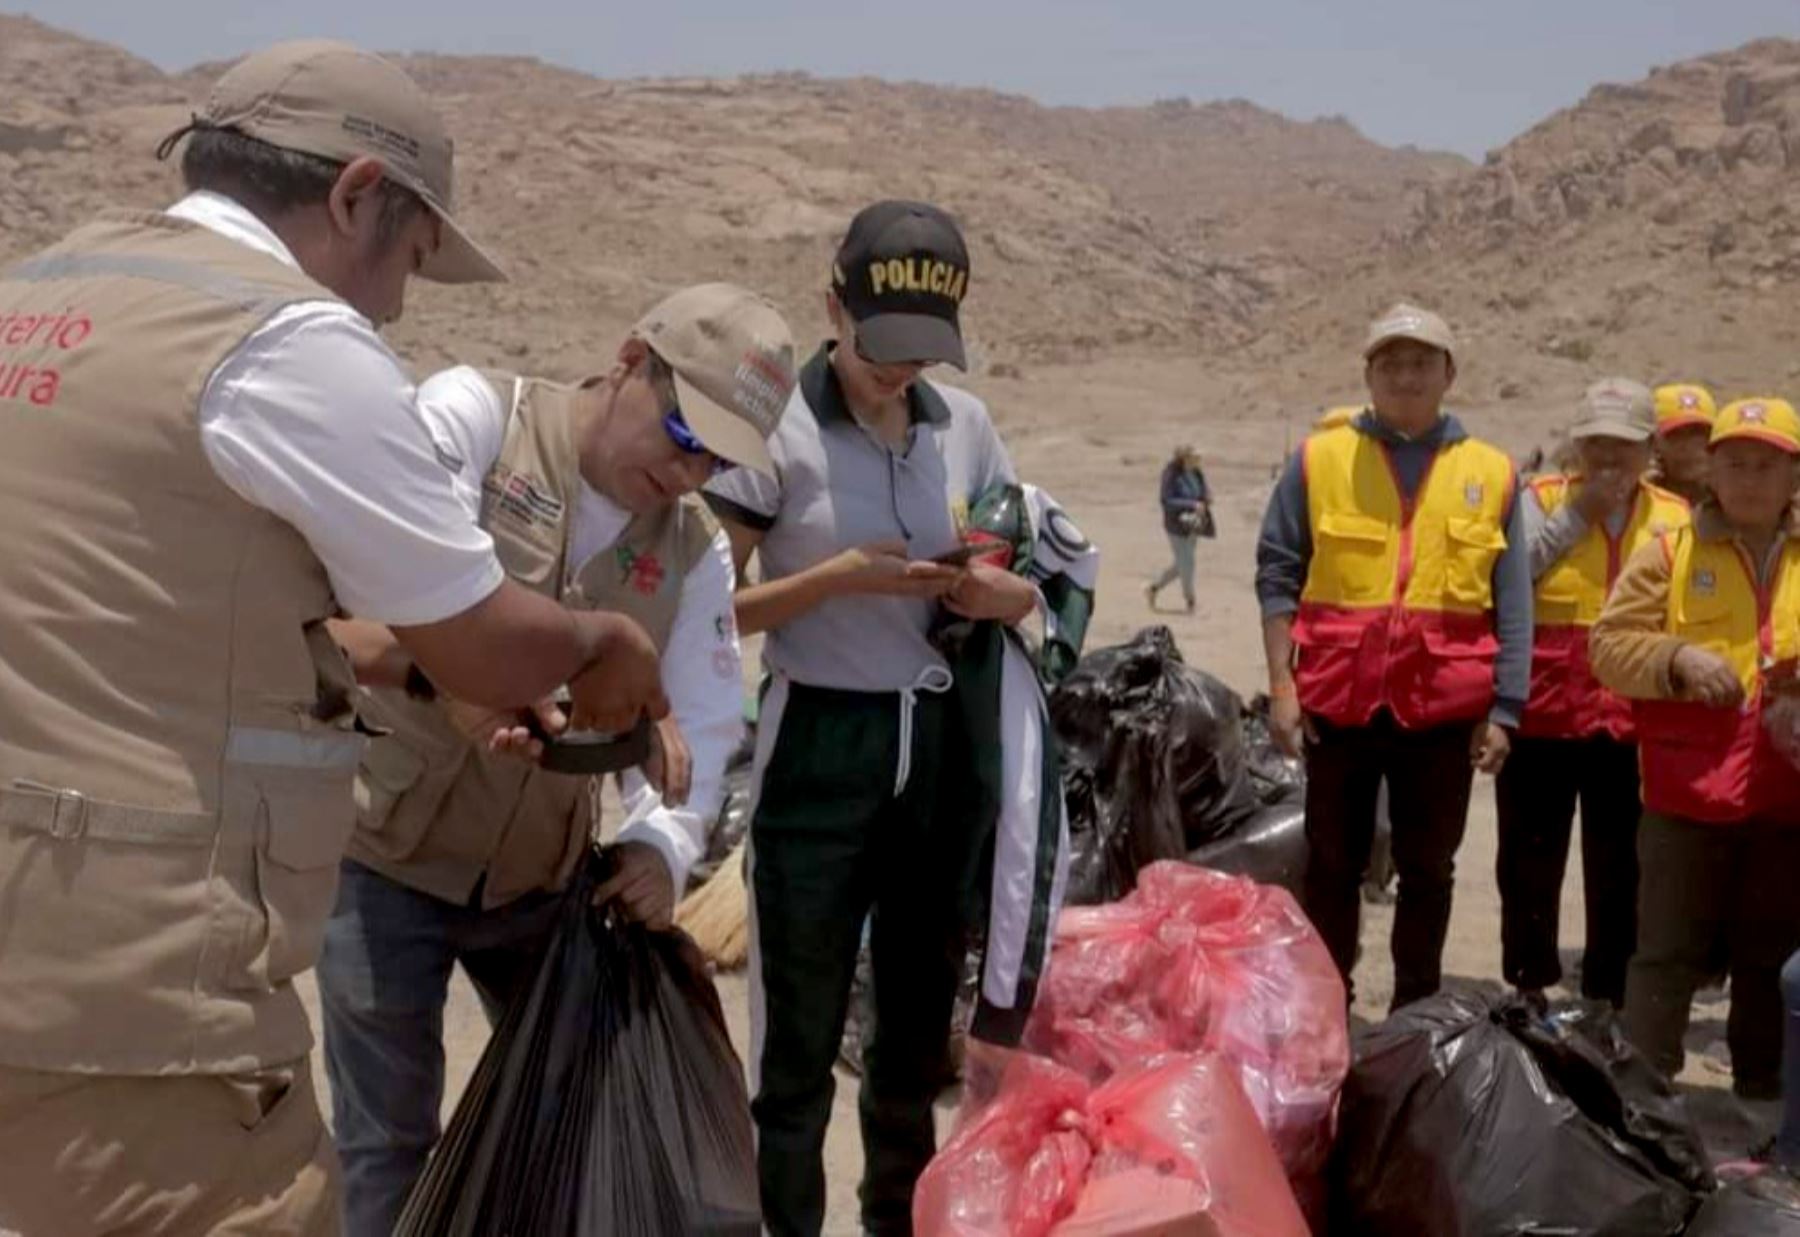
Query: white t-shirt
point(312, 417)
point(702, 668)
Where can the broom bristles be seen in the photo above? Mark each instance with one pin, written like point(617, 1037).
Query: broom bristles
point(717, 915)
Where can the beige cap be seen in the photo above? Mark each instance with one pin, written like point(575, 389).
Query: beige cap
point(1616, 408)
point(342, 103)
point(1404, 321)
point(733, 358)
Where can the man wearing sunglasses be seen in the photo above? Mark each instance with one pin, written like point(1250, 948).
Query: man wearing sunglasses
point(460, 843)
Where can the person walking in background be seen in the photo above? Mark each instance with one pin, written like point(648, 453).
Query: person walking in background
point(1577, 741)
point(1702, 631)
point(1187, 516)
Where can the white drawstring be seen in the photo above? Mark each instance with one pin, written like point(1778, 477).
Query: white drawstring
point(934, 679)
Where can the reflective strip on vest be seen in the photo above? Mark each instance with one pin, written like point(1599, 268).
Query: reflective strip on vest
point(1567, 702)
point(1710, 764)
point(243, 294)
point(293, 749)
point(1397, 612)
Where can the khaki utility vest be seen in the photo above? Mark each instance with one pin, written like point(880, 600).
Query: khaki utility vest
point(177, 742)
point(435, 812)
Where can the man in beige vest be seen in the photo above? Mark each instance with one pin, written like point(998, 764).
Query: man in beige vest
point(208, 453)
point(459, 849)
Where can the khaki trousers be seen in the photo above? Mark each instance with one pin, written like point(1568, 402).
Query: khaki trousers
point(236, 1154)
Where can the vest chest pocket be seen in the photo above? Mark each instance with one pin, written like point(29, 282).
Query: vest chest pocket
point(1471, 548)
point(1708, 620)
point(1351, 560)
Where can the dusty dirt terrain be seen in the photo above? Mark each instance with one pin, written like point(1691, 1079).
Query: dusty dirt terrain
point(1142, 276)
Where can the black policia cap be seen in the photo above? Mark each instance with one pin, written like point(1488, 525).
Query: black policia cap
point(902, 272)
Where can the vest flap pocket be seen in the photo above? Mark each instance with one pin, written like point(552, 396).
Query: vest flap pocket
point(1704, 610)
point(1458, 644)
point(1477, 534)
point(1556, 607)
point(307, 818)
point(1471, 547)
point(1331, 630)
point(1352, 562)
point(1348, 526)
point(306, 824)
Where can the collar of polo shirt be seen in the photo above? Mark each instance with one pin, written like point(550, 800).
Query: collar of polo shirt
point(825, 394)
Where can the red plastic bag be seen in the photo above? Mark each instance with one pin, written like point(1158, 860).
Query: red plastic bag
point(1172, 1146)
point(1194, 960)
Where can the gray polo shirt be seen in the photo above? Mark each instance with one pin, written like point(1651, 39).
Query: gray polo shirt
point(836, 486)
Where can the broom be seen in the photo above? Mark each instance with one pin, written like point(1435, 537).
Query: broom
point(717, 915)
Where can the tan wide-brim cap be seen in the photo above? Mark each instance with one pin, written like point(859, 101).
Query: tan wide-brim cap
point(340, 102)
point(1615, 408)
point(733, 359)
point(1405, 321)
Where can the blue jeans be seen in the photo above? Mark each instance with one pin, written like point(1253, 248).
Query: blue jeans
point(1183, 568)
point(1787, 1142)
point(384, 975)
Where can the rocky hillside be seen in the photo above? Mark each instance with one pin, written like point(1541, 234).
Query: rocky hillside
point(1176, 228)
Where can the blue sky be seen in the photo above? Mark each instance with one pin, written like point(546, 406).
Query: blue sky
point(1463, 75)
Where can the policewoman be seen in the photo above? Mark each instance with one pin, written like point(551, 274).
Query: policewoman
point(865, 807)
point(1703, 633)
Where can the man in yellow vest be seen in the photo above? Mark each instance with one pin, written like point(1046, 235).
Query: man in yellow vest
point(1577, 741)
point(1702, 632)
point(459, 850)
point(209, 452)
point(1396, 599)
point(1684, 420)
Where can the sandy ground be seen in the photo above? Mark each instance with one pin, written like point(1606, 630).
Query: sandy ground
point(1107, 480)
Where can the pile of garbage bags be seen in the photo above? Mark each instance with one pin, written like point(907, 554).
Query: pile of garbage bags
point(1471, 1117)
point(1163, 761)
point(1198, 961)
point(608, 1101)
point(1761, 1206)
point(1169, 1147)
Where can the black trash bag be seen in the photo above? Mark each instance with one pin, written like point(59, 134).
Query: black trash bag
point(608, 1104)
point(1154, 758)
point(1277, 777)
point(1450, 1124)
point(1269, 848)
point(1767, 1205)
point(1582, 1048)
point(733, 821)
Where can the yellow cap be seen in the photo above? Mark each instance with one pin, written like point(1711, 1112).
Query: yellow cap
point(1343, 414)
point(1680, 404)
point(1771, 421)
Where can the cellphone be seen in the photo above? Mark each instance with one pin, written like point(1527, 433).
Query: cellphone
point(962, 554)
